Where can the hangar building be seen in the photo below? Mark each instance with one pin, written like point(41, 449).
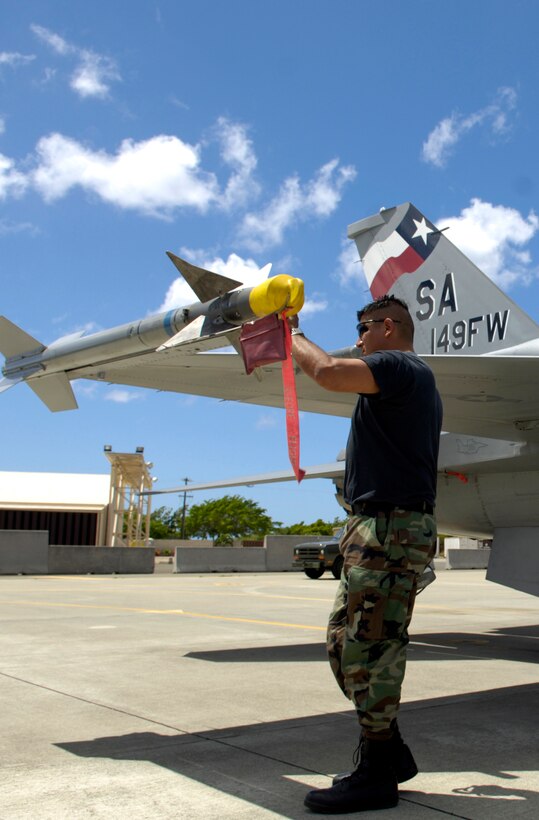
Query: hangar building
point(72, 507)
point(78, 509)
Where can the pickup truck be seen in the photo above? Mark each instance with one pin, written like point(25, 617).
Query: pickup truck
point(316, 557)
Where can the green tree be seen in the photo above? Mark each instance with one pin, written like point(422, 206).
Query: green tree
point(318, 527)
point(226, 518)
point(163, 523)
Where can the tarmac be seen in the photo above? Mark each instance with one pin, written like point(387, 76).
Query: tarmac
point(209, 696)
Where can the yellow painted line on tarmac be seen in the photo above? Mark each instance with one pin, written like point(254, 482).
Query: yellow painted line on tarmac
point(169, 612)
point(250, 620)
point(204, 590)
point(284, 597)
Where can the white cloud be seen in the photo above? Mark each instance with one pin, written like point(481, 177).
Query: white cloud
point(7, 226)
point(85, 388)
point(13, 59)
point(316, 304)
point(122, 396)
point(266, 422)
point(178, 103)
point(494, 236)
point(350, 270)
point(187, 401)
point(324, 190)
point(296, 202)
point(90, 78)
point(237, 151)
point(85, 329)
point(449, 131)
point(57, 43)
point(162, 174)
point(235, 267)
point(93, 72)
point(12, 182)
point(154, 176)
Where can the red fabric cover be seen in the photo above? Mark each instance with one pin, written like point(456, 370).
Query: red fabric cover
point(263, 342)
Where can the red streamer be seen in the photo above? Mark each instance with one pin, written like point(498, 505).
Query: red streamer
point(291, 403)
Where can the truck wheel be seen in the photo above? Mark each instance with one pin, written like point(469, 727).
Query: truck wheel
point(337, 567)
point(314, 573)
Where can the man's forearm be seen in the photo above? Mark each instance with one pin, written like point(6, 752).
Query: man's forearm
point(340, 375)
point(309, 356)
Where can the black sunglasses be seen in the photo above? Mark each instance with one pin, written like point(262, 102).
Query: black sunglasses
point(362, 326)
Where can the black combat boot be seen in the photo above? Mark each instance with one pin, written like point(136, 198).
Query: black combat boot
point(401, 757)
point(373, 785)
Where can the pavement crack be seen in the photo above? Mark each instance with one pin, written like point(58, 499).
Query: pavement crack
point(433, 808)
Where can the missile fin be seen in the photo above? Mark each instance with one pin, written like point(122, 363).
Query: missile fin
point(200, 331)
point(14, 341)
point(206, 284)
point(6, 383)
point(55, 391)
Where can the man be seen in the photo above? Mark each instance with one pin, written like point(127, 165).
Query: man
point(390, 537)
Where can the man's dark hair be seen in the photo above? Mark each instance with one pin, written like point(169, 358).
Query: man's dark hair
point(393, 308)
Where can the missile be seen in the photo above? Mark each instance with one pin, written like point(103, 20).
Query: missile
point(45, 368)
point(224, 313)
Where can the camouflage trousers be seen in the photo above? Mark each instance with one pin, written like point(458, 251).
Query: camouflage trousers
point(368, 627)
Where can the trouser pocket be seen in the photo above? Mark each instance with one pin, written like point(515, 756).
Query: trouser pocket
point(379, 603)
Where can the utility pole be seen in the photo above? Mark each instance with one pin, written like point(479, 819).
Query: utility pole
point(185, 481)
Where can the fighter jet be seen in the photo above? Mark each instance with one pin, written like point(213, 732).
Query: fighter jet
point(481, 346)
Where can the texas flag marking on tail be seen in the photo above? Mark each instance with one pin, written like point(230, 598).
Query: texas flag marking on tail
point(403, 251)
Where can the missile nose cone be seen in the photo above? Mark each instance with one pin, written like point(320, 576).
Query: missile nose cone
point(276, 294)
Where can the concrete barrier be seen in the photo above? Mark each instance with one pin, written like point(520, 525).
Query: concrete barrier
point(27, 552)
point(467, 559)
point(100, 560)
point(23, 552)
point(274, 556)
point(280, 549)
point(514, 551)
point(220, 559)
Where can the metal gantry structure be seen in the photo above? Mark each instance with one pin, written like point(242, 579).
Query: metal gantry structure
point(128, 522)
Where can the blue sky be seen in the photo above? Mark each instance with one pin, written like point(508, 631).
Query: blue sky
point(238, 134)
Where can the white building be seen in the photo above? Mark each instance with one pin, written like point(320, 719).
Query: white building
point(73, 507)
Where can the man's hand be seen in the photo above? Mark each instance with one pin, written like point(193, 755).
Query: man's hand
point(293, 321)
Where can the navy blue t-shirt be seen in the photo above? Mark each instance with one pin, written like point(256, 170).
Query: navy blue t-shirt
point(392, 450)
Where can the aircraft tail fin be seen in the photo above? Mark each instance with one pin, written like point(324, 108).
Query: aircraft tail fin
point(206, 284)
point(456, 308)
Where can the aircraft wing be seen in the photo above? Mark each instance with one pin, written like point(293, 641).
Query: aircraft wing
point(467, 454)
point(334, 469)
point(495, 395)
point(217, 375)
